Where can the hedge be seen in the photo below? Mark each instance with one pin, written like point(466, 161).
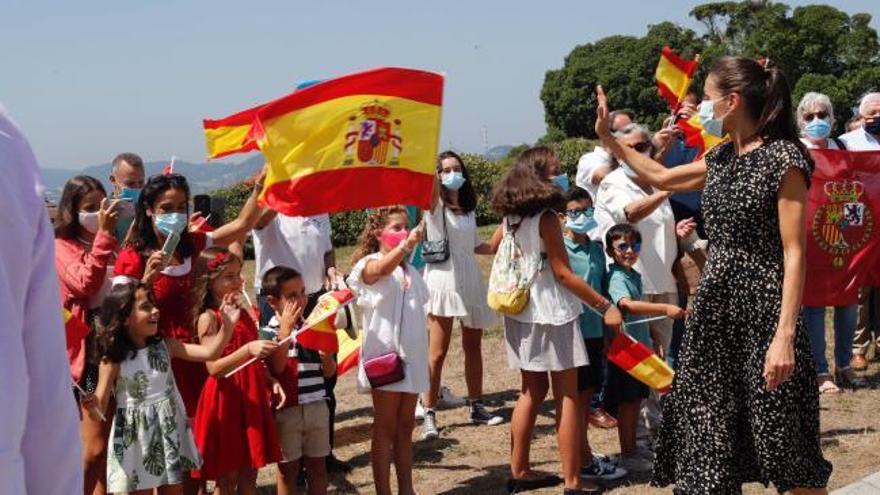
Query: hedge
point(484, 173)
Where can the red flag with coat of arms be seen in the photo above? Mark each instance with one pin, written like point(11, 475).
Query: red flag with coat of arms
point(843, 245)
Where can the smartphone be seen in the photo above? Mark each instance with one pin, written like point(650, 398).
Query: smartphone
point(171, 244)
point(202, 204)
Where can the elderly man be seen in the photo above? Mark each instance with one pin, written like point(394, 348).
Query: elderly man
point(866, 138)
point(40, 450)
point(127, 177)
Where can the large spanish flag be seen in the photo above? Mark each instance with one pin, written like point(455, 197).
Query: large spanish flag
point(696, 137)
point(360, 141)
point(674, 76)
point(640, 362)
point(231, 134)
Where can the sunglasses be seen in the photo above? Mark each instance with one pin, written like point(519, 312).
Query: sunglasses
point(822, 115)
point(576, 212)
point(641, 147)
point(624, 247)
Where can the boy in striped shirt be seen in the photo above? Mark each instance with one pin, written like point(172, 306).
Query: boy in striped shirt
point(302, 418)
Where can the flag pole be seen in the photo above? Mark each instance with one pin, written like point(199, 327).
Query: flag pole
point(97, 409)
point(171, 165)
point(286, 339)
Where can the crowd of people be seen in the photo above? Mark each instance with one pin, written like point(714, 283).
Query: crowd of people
point(161, 300)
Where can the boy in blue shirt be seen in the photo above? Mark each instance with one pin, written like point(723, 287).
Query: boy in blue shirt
point(624, 288)
point(587, 261)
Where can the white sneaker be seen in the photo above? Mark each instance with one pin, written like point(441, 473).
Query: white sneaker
point(602, 470)
point(429, 427)
point(420, 410)
point(445, 398)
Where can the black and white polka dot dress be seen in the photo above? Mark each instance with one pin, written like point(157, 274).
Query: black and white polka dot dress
point(721, 427)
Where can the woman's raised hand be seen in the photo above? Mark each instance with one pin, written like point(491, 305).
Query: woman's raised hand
point(603, 127)
point(108, 215)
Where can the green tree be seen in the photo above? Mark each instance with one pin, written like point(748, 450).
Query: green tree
point(819, 47)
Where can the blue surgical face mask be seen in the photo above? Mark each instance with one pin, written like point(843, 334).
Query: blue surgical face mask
point(561, 181)
point(170, 222)
point(712, 125)
point(453, 180)
point(628, 171)
point(873, 126)
point(583, 223)
point(130, 194)
point(817, 128)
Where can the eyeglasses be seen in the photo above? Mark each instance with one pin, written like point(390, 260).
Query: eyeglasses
point(641, 147)
point(822, 115)
point(576, 212)
point(624, 247)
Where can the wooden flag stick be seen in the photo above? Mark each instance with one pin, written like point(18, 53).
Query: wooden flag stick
point(285, 340)
point(97, 409)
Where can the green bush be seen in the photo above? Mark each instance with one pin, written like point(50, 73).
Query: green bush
point(484, 174)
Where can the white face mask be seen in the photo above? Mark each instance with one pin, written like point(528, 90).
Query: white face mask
point(89, 221)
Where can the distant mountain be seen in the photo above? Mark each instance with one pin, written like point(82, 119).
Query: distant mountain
point(202, 177)
point(499, 152)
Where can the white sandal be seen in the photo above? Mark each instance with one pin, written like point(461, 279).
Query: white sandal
point(827, 385)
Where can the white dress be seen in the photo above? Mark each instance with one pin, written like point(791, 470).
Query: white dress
point(385, 306)
point(456, 285)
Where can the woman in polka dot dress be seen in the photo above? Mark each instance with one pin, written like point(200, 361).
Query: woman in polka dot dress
point(744, 406)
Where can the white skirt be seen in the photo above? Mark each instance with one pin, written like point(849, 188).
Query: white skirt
point(457, 291)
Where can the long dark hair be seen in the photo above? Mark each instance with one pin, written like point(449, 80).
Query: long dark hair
point(765, 92)
point(467, 197)
point(67, 213)
point(525, 190)
point(142, 236)
point(114, 343)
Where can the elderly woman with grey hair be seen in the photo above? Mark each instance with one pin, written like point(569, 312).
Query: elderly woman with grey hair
point(624, 197)
point(815, 118)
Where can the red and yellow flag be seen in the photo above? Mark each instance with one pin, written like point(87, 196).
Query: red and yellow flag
point(843, 242)
point(349, 351)
point(696, 137)
point(360, 141)
point(320, 333)
point(640, 362)
point(674, 76)
point(74, 328)
point(230, 134)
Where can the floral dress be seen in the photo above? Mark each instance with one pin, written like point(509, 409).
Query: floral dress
point(151, 443)
point(721, 427)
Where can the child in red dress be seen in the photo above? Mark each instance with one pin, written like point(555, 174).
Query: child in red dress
point(234, 426)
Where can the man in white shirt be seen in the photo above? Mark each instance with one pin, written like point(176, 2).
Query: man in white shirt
point(40, 450)
point(866, 138)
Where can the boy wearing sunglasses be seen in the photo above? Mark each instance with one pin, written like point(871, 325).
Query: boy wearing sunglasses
point(624, 288)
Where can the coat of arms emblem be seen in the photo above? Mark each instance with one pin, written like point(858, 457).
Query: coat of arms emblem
point(844, 224)
point(370, 134)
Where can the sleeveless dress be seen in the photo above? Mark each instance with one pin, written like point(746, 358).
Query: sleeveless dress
point(234, 425)
point(173, 292)
point(721, 427)
point(150, 443)
point(456, 285)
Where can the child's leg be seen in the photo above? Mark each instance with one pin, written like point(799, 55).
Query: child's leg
point(532, 393)
point(439, 335)
point(570, 425)
point(226, 484)
point(285, 477)
point(471, 343)
point(627, 421)
point(385, 408)
point(170, 490)
point(403, 448)
point(94, 446)
point(316, 473)
point(586, 397)
point(247, 481)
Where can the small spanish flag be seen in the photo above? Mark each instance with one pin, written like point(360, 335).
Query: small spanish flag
point(319, 333)
point(349, 351)
point(674, 76)
point(696, 137)
point(364, 140)
point(640, 362)
point(74, 328)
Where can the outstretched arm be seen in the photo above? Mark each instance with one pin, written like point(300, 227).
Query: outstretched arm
point(690, 177)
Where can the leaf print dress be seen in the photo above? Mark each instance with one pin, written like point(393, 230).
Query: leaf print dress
point(151, 443)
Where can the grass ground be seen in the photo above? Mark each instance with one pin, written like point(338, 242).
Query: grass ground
point(474, 460)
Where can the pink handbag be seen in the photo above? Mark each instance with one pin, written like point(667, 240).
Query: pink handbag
point(387, 368)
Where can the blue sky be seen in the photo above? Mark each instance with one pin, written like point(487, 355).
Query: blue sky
point(88, 79)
